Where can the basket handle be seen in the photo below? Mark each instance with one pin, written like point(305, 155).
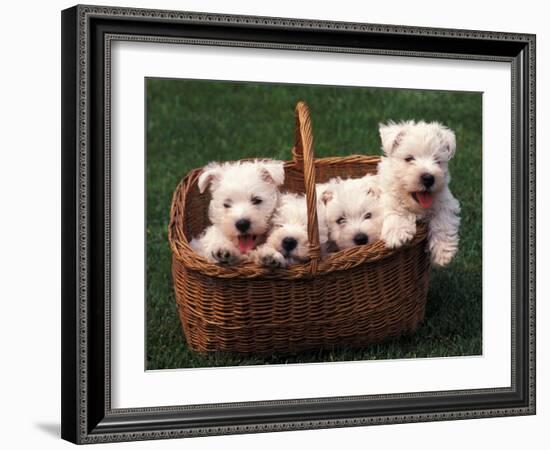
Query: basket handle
point(304, 159)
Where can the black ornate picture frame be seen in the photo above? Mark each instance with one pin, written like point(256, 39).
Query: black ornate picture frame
point(87, 34)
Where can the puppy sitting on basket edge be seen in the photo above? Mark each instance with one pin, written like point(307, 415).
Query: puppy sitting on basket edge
point(414, 179)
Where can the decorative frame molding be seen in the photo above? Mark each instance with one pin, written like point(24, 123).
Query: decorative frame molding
point(87, 34)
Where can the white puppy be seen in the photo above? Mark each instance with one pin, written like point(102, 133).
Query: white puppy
point(244, 197)
point(353, 210)
point(288, 242)
point(414, 178)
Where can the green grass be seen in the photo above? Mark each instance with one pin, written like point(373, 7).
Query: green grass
point(190, 123)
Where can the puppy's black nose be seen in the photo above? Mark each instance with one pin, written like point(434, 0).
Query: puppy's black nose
point(427, 180)
point(242, 225)
point(360, 239)
point(289, 243)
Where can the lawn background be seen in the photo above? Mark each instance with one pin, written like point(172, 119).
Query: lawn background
point(193, 122)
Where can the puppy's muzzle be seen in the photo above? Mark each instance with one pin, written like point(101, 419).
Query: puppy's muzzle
point(360, 239)
point(428, 180)
point(289, 244)
point(242, 225)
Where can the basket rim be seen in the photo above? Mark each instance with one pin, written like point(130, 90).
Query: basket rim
point(337, 261)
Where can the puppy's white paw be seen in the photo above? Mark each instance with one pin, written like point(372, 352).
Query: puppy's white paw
point(271, 258)
point(442, 253)
point(223, 255)
point(399, 236)
point(274, 260)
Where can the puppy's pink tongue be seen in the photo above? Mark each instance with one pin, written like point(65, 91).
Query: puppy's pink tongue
point(425, 199)
point(246, 242)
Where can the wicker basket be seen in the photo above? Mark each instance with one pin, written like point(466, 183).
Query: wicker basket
point(353, 297)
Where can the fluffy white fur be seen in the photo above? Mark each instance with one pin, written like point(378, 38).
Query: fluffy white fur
point(353, 210)
point(413, 150)
point(240, 191)
point(290, 223)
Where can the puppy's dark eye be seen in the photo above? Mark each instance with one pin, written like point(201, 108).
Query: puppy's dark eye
point(438, 162)
point(227, 205)
point(256, 200)
point(409, 158)
point(367, 216)
point(340, 220)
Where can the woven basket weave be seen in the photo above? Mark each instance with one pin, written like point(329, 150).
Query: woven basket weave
point(353, 297)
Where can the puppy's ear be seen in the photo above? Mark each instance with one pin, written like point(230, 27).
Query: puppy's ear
point(391, 135)
point(448, 141)
point(326, 196)
point(210, 174)
point(371, 186)
point(374, 191)
point(273, 172)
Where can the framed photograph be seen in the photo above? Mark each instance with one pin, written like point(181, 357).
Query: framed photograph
point(282, 224)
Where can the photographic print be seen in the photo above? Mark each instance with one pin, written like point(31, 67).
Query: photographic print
point(301, 210)
point(396, 271)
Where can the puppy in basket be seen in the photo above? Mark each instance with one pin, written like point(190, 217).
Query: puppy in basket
point(288, 242)
point(244, 197)
point(353, 210)
point(415, 178)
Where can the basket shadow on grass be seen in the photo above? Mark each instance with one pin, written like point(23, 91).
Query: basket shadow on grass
point(207, 117)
